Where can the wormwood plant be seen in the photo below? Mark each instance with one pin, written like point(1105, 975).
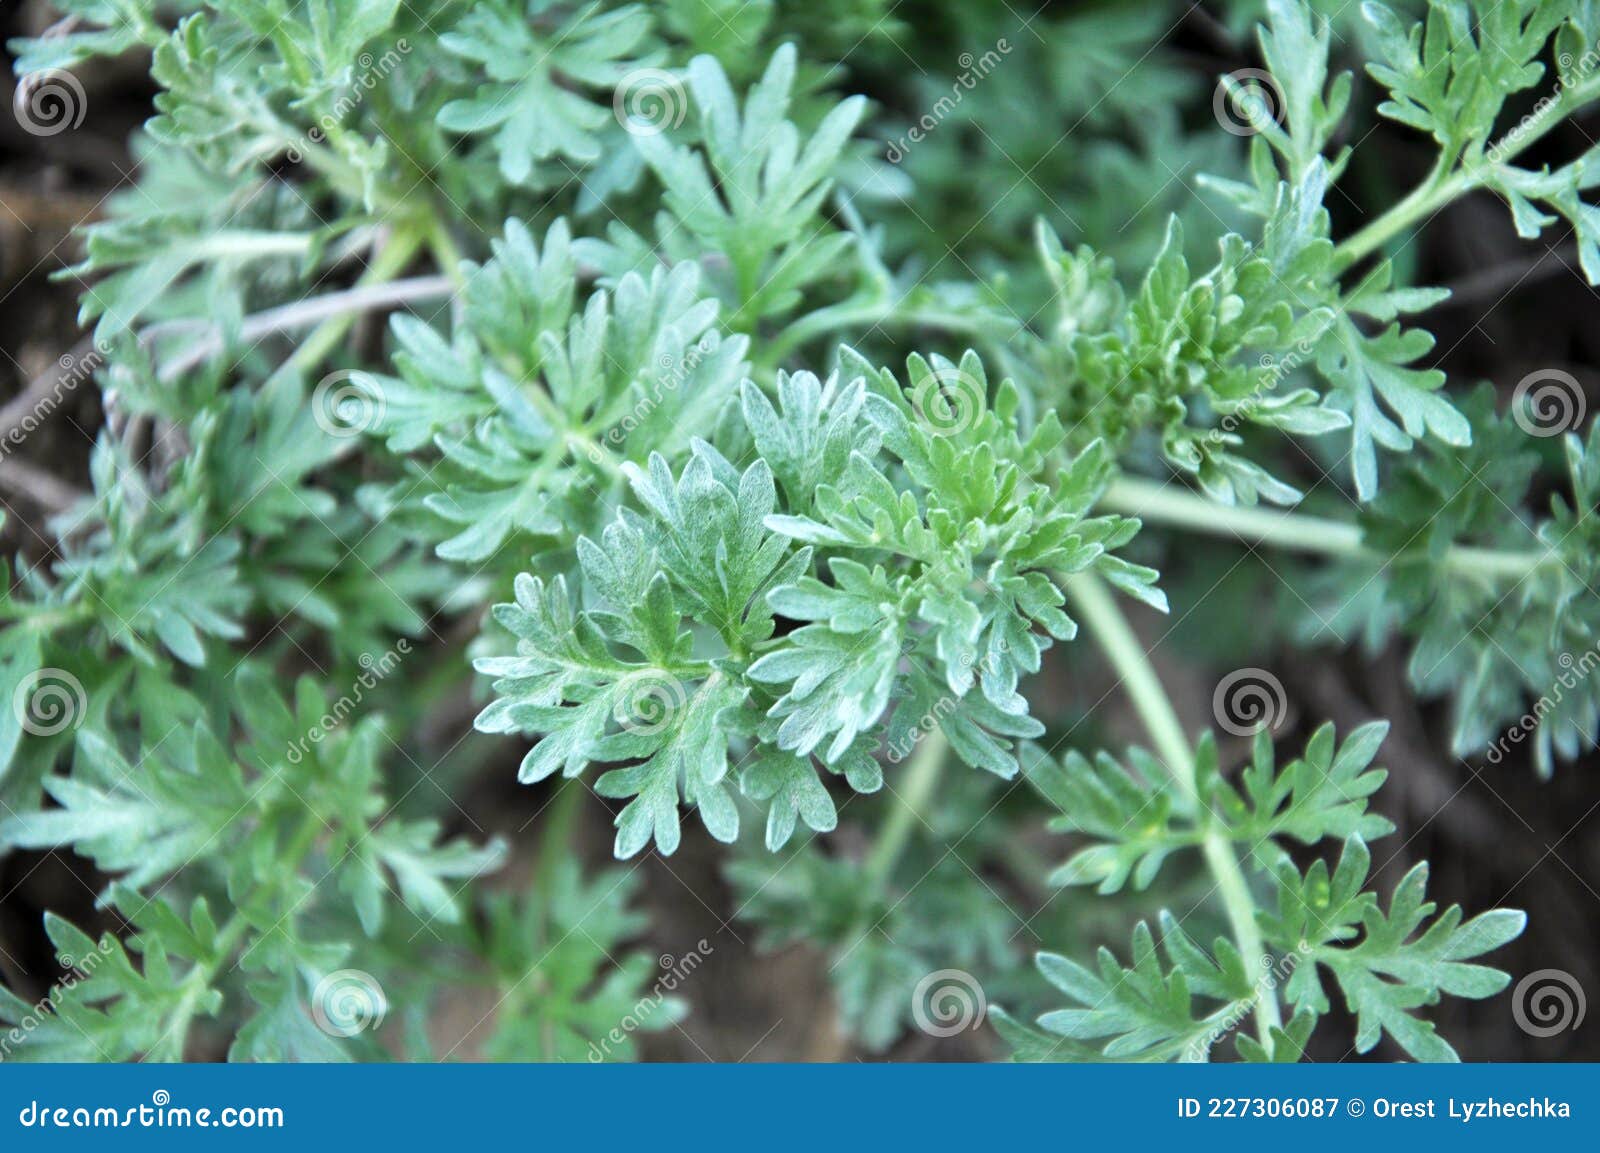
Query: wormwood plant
point(754, 479)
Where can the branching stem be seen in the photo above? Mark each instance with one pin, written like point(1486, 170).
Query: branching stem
point(390, 261)
point(1117, 640)
point(228, 938)
point(1177, 507)
point(1446, 182)
point(304, 313)
point(332, 313)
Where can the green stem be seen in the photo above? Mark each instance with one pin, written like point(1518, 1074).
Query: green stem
point(591, 449)
point(555, 846)
point(389, 263)
point(555, 836)
point(445, 251)
point(578, 439)
point(1121, 646)
point(200, 978)
point(1117, 639)
point(329, 164)
point(1439, 188)
point(1442, 185)
point(910, 802)
point(289, 317)
point(1175, 506)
